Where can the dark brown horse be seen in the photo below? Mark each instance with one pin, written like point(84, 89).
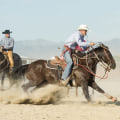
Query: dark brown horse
point(38, 73)
point(5, 70)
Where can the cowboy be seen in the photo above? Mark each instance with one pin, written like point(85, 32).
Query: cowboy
point(7, 45)
point(75, 40)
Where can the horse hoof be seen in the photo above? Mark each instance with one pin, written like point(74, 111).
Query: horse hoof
point(114, 99)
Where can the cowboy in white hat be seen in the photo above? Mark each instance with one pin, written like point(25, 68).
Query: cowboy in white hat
point(75, 41)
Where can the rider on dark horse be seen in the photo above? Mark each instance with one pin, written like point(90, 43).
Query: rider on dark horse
point(7, 45)
point(75, 41)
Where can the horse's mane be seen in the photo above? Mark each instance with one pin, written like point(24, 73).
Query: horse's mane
point(97, 47)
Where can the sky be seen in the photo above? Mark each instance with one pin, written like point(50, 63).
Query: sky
point(56, 20)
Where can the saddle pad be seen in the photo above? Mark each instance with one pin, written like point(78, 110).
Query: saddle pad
point(49, 65)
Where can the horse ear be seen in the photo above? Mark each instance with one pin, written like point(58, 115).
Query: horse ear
point(104, 46)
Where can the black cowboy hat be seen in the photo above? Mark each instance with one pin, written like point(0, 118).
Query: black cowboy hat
point(6, 32)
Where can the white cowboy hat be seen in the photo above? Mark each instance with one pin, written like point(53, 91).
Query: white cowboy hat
point(83, 27)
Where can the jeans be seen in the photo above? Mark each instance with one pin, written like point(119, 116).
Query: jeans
point(69, 63)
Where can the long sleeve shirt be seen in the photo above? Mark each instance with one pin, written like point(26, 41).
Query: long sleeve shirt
point(76, 39)
point(7, 43)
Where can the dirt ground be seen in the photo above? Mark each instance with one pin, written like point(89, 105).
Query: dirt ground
point(61, 107)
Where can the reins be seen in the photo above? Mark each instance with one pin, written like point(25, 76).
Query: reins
point(93, 72)
point(87, 68)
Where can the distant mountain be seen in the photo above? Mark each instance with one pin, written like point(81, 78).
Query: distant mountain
point(41, 48)
point(114, 46)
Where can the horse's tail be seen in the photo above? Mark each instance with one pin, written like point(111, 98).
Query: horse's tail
point(20, 72)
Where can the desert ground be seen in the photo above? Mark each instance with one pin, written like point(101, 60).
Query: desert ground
point(52, 103)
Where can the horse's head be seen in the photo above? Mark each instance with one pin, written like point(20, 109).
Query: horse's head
point(105, 56)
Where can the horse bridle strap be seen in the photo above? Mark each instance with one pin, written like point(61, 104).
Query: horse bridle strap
point(107, 67)
point(88, 68)
point(82, 57)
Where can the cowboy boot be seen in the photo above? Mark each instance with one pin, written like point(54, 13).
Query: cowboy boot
point(63, 82)
point(11, 70)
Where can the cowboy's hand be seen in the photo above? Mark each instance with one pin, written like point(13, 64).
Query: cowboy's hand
point(92, 43)
point(88, 48)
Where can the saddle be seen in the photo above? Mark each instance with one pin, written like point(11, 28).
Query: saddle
point(58, 63)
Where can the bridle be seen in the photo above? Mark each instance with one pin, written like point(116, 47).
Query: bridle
point(102, 63)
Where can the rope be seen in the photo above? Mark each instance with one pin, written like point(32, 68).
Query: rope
point(92, 72)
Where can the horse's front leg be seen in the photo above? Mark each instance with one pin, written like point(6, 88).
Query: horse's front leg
point(2, 79)
point(97, 88)
point(84, 85)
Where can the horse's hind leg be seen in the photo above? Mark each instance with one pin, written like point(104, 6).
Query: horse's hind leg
point(97, 88)
point(42, 84)
point(27, 86)
point(11, 83)
point(11, 80)
point(2, 79)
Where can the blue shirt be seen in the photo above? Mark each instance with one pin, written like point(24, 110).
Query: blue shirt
point(7, 43)
point(77, 39)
